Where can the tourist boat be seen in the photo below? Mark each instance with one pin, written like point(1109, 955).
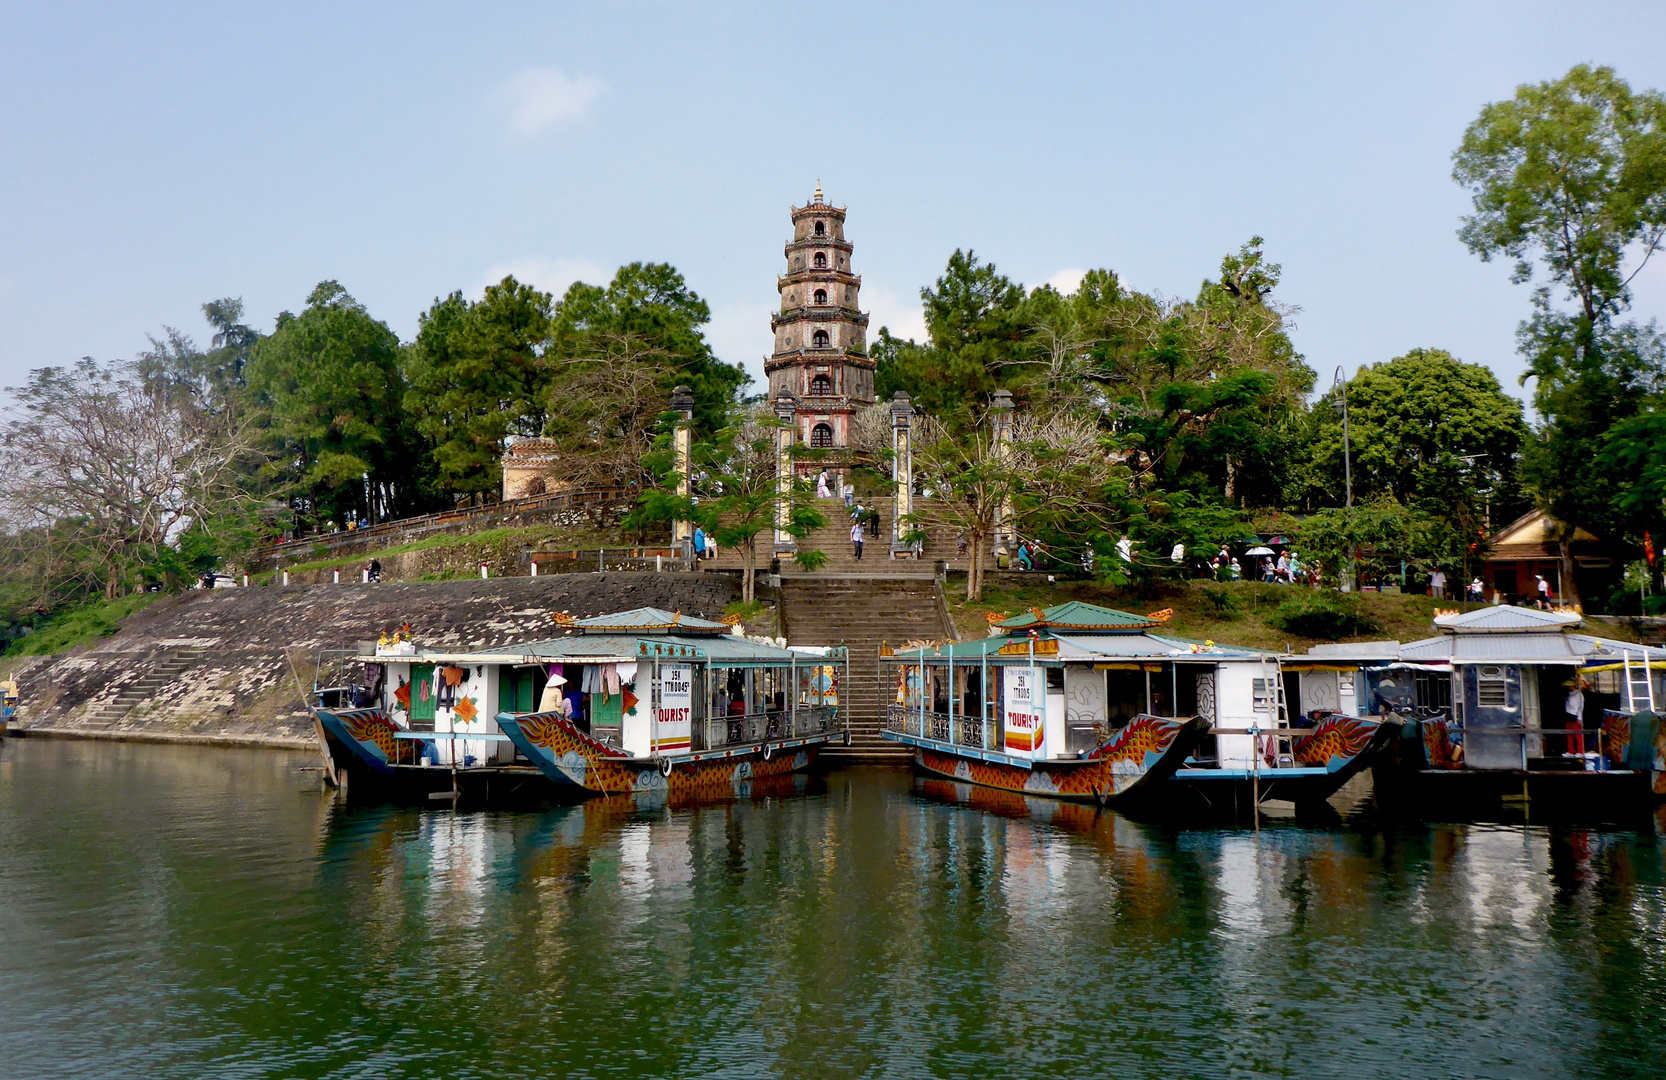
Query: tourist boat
point(1485, 721)
point(1098, 705)
point(720, 710)
point(716, 711)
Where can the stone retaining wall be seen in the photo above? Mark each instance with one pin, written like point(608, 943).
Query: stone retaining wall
point(216, 664)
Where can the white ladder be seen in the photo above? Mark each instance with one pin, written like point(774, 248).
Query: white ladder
point(1276, 709)
point(1639, 682)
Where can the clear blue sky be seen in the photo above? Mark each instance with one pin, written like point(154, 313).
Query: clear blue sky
point(157, 156)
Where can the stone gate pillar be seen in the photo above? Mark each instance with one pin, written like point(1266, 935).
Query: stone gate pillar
point(1005, 540)
point(682, 441)
point(786, 411)
point(902, 446)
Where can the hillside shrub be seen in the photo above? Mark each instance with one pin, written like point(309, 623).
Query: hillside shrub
point(1323, 615)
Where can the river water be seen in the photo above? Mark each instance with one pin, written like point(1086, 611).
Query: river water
point(183, 912)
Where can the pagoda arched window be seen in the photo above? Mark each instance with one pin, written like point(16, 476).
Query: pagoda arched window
point(821, 437)
point(821, 260)
point(821, 296)
point(819, 339)
point(821, 386)
point(821, 230)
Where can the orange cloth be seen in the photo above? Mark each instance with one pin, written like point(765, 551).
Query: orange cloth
point(403, 696)
point(453, 675)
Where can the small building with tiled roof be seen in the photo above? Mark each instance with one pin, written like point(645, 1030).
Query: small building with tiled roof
point(1530, 546)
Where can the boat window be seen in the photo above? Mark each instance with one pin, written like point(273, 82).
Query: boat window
point(1490, 691)
point(1433, 689)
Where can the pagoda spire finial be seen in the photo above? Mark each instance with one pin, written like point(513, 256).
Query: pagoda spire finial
point(818, 191)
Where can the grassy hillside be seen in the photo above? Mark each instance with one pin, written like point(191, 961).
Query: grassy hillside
point(1236, 613)
point(79, 625)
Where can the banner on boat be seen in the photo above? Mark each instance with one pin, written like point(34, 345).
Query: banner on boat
point(674, 714)
point(1025, 732)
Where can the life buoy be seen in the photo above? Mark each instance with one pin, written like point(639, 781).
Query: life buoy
point(665, 766)
point(767, 751)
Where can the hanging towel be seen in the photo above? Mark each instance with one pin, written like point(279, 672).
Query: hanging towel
point(454, 675)
point(610, 679)
point(627, 672)
point(591, 682)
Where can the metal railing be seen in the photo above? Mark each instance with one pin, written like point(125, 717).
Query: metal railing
point(961, 729)
point(750, 729)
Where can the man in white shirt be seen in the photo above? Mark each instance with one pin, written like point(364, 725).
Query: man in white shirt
point(1544, 591)
point(1437, 584)
point(857, 535)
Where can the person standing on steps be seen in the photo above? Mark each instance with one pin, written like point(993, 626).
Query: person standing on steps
point(699, 543)
point(857, 535)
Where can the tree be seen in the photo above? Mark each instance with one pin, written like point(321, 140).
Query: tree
point(1426, 429)
point(1570, 177)
point(1051, 469)
point(109, 467)
point(647, 310)
point(329, 385)
point(976, 330)
point(478, 373)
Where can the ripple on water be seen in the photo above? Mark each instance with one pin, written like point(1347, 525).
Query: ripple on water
point(180, 912)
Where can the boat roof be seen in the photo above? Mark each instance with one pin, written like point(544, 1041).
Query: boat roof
point(622, 637)
point(649, 620)
point(1078, 616)
point(1501, 618)
point(1498, 634)
point(1080, 648)
point(1525, 648)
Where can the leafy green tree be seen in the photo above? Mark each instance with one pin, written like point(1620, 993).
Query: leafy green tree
point(329, 385)
point(743, 470)
point(1569, 177)
point(1426, 428)
point(477, 374)
point(646, 311)
point(976, 338)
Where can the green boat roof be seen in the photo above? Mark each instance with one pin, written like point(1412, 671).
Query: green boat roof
point(1079, 617)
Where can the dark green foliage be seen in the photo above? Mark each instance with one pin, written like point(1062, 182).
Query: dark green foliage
point(1324, 615)
point(330, 384)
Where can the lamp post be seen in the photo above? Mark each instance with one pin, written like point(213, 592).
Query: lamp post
point(902, 467)
point(682, 403)
point(1000, 438)
point(786, 413)
point(1340, 385)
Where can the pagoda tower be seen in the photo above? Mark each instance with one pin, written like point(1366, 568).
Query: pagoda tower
point(821, 337)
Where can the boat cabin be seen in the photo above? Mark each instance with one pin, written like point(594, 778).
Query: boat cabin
point(1055, 684)
point(1494, 688)
point(645, 683)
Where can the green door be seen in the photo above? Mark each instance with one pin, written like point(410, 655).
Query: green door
point(422, 692)
point(515, 690)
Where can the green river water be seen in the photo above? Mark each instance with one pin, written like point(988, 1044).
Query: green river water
point(182, 912)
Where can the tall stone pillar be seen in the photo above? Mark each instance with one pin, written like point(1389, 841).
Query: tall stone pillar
point(786, 411)
point(1000, 425)
point(682, 441)
point(902, 446)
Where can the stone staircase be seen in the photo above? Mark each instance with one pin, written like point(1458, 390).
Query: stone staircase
point(162, 672)
point(860, 611)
